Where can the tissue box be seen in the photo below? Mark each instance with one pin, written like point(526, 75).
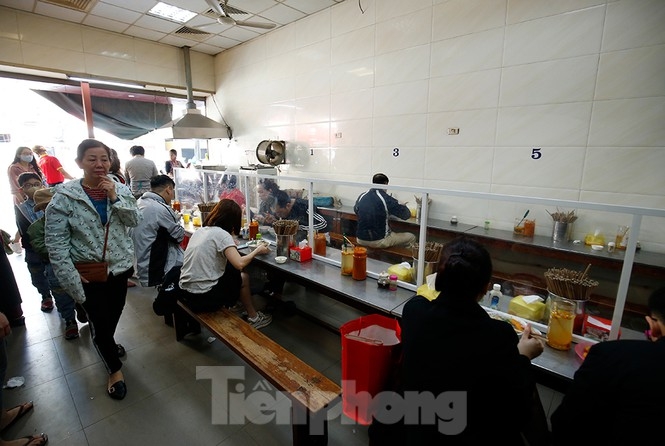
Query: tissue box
point(533, 310)
point(300, 254)
point(597, 328)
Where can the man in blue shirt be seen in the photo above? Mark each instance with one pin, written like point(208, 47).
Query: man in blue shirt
point(374, 209)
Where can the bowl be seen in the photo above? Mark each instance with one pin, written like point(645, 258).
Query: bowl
point(280, 259)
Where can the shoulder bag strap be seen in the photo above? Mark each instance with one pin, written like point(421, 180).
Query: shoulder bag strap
point(106, 237)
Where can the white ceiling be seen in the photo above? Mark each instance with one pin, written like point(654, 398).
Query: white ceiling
point(129, 17)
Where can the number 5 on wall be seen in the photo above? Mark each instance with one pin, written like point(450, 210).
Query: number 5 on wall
point(535, 153)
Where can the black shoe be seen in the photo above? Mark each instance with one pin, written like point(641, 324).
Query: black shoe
point(121, 351)
point(81, 315)
point(118, 390)
point(18, 322)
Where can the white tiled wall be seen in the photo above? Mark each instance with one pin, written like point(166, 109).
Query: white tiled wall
point(35, 41)
point(583, 80)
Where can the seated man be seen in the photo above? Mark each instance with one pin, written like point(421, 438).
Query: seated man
point(157, 237)
point(298, 209)
point(374, 209)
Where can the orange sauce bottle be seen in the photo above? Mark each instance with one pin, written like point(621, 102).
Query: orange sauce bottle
point(359, 263)
point(253, 229)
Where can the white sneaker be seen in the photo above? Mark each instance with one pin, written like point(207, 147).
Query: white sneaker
point(261, 320)
point(239, 309)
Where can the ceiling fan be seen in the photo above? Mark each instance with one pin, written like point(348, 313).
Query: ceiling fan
point(224, 11)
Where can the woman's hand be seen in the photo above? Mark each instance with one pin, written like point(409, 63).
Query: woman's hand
point(262, 248)
point(108, 185)
point(529, 346)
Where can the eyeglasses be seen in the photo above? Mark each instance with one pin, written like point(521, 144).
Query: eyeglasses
point(29, 185)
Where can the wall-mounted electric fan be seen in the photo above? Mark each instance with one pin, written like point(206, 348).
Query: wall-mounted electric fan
point(271, 152)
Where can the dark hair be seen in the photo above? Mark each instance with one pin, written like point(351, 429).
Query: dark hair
point(137, 150)
point(464, 271)
point(656, 303)
point(269, 185)
point(227, 215)
point(115, 162)
point(282, 198)
point(173, 151)
point(161, 182)
point(33, 163)
point(25, 176)
point(230, 181)
point(380, 178)
point(91, 144)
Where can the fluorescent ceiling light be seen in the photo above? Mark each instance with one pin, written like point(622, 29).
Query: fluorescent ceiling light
point(104, 82)
point(173, 13)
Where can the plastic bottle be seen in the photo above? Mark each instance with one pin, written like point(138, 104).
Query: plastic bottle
point(393, 282)
point(320, 244)
point(495, 295)
point(253, 229)
point(359, 263)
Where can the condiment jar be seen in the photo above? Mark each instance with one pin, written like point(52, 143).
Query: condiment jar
point(560, 326)
point(359, 263)
point(383, 280)
point(347, 260)
point(320, 244)
point(393, 282)
point(253, 229)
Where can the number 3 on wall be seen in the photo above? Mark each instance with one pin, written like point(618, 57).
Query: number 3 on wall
point(535, 153)
point(396, 152)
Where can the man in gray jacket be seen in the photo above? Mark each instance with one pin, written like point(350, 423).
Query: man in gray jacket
point(157, 238)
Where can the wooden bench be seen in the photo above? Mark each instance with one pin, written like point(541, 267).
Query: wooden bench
point(311, 393)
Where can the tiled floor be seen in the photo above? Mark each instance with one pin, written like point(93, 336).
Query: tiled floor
point(166, 404)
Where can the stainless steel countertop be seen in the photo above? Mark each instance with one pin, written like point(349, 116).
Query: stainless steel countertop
point(559, 365)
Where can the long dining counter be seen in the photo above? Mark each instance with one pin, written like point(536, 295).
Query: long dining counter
point(553, 368)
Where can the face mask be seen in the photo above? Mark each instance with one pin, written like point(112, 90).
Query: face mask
point(26, 158)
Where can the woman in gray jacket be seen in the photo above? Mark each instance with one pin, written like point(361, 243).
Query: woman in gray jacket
point(79, 216)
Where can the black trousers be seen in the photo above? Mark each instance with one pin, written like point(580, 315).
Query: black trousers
point(103, 304)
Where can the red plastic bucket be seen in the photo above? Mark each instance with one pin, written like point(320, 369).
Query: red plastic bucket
point(370, 351)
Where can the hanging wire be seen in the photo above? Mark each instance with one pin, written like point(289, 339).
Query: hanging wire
point(361, 7)
point(229, 130)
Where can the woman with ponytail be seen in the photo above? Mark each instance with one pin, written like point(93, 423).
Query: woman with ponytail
point(454, 352)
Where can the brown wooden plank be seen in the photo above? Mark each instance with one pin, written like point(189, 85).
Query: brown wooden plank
point(279, 366)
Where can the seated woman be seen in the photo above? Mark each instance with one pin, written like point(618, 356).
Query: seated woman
point(212, 273)
point(454, 350)
point(266, 189)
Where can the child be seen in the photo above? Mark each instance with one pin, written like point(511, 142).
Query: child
point(64, 302)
